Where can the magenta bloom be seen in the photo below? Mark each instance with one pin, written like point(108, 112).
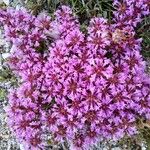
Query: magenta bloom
point(79, 87)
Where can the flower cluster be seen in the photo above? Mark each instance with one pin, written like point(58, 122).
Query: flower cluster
point(29, 38)
point(130, 12)
point(80, 88)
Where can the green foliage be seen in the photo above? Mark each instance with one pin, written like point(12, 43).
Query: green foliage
point(2, 94)
point(85, 9)
point(143, 31)
point(145, 134)
point(7, 78)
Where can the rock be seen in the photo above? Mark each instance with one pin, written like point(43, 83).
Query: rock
point(7, 141)
point(7, 2)
point(1, 1)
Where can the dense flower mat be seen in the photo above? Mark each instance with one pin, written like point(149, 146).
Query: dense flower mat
point(79, 87)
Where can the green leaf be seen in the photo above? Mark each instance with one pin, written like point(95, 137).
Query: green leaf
point(2, 94)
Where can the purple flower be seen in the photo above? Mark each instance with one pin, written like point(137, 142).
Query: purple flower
point(71, 87)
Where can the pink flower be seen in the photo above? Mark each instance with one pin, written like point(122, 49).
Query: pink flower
point(79, 87)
